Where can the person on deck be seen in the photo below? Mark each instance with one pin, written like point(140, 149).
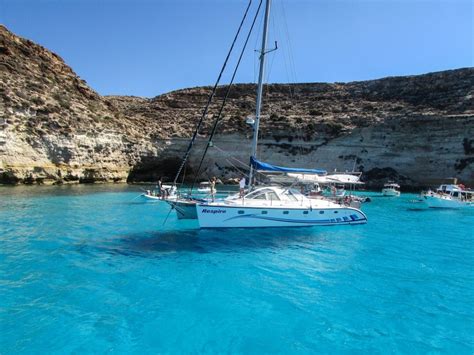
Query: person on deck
point(242, 186)
point(159, 185)
point(213, 188)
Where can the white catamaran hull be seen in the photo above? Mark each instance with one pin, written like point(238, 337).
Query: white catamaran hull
point(436, 201)
point(250, 217)
point(184, 209)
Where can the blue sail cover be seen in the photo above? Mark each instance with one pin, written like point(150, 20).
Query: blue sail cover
point(259, 165)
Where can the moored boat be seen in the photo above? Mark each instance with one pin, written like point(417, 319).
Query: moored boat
point(204, 187)
point(272, 206)
point(160, 194)
point(391, 189)
point(449, 196)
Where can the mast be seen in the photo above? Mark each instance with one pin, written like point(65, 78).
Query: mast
point(259, 89)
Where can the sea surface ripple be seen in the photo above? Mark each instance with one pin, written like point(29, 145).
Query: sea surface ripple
point(95, 269)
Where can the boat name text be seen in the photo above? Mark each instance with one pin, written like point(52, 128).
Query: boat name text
point(213, 211)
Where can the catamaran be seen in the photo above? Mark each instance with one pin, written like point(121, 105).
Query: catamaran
point(271, 206)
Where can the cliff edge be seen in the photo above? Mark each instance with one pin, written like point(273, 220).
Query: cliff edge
point(55, 129)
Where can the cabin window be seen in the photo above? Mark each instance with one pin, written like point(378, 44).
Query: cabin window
point(290, 196)
point(321, 212)
point(253, 194)
point(336, 211)
point(455, 194)
point(264, 212)
point(241, 212)
point(272, 196)
point(261, 195)
point(305, 212)
point(286, 212)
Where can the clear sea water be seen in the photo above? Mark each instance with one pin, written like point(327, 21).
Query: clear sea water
point(93, 269)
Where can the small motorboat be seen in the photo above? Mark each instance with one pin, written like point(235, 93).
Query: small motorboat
point(204, 187)
point(391, 189)
point(449, 196)
point(166, 191)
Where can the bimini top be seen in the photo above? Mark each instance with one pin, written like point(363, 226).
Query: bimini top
point(259, 165)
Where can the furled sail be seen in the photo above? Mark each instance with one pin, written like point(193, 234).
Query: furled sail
point(262, 166)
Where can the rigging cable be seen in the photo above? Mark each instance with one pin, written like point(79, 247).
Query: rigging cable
point(211, 95)
point(218, 117)
point(245, 165)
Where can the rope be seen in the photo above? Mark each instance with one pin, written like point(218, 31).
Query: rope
point(229, 87)
point(239, 161)
point(204, 113)
point(233, 165)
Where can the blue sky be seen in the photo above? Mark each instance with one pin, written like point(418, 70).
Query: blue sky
point(149, 47)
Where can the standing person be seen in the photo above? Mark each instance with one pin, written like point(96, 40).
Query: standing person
point(213, 188)
point(159, 185)
point(242, 186)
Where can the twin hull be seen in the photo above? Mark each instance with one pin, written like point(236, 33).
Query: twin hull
point(249, 217)
point(184, 209)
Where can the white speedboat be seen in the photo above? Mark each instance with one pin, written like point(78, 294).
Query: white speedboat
point(204, 187)
point(449, 196)
point(151, 196)
point(272, 206)
point(154, 195)
point(391, 189)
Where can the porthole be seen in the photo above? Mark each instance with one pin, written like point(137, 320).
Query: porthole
point(264, 212)
point(285, 212)
point(321, 212)
point(336, 211)
point(305, 212)
point(241, 212)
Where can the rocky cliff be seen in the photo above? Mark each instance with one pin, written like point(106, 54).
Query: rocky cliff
point(55, 129)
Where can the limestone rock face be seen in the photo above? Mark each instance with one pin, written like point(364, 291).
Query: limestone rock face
point(55, 129)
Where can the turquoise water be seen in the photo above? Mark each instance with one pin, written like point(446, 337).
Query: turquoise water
point(93, 269)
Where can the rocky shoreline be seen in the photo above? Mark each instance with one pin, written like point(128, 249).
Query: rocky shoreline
point(54, 129)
